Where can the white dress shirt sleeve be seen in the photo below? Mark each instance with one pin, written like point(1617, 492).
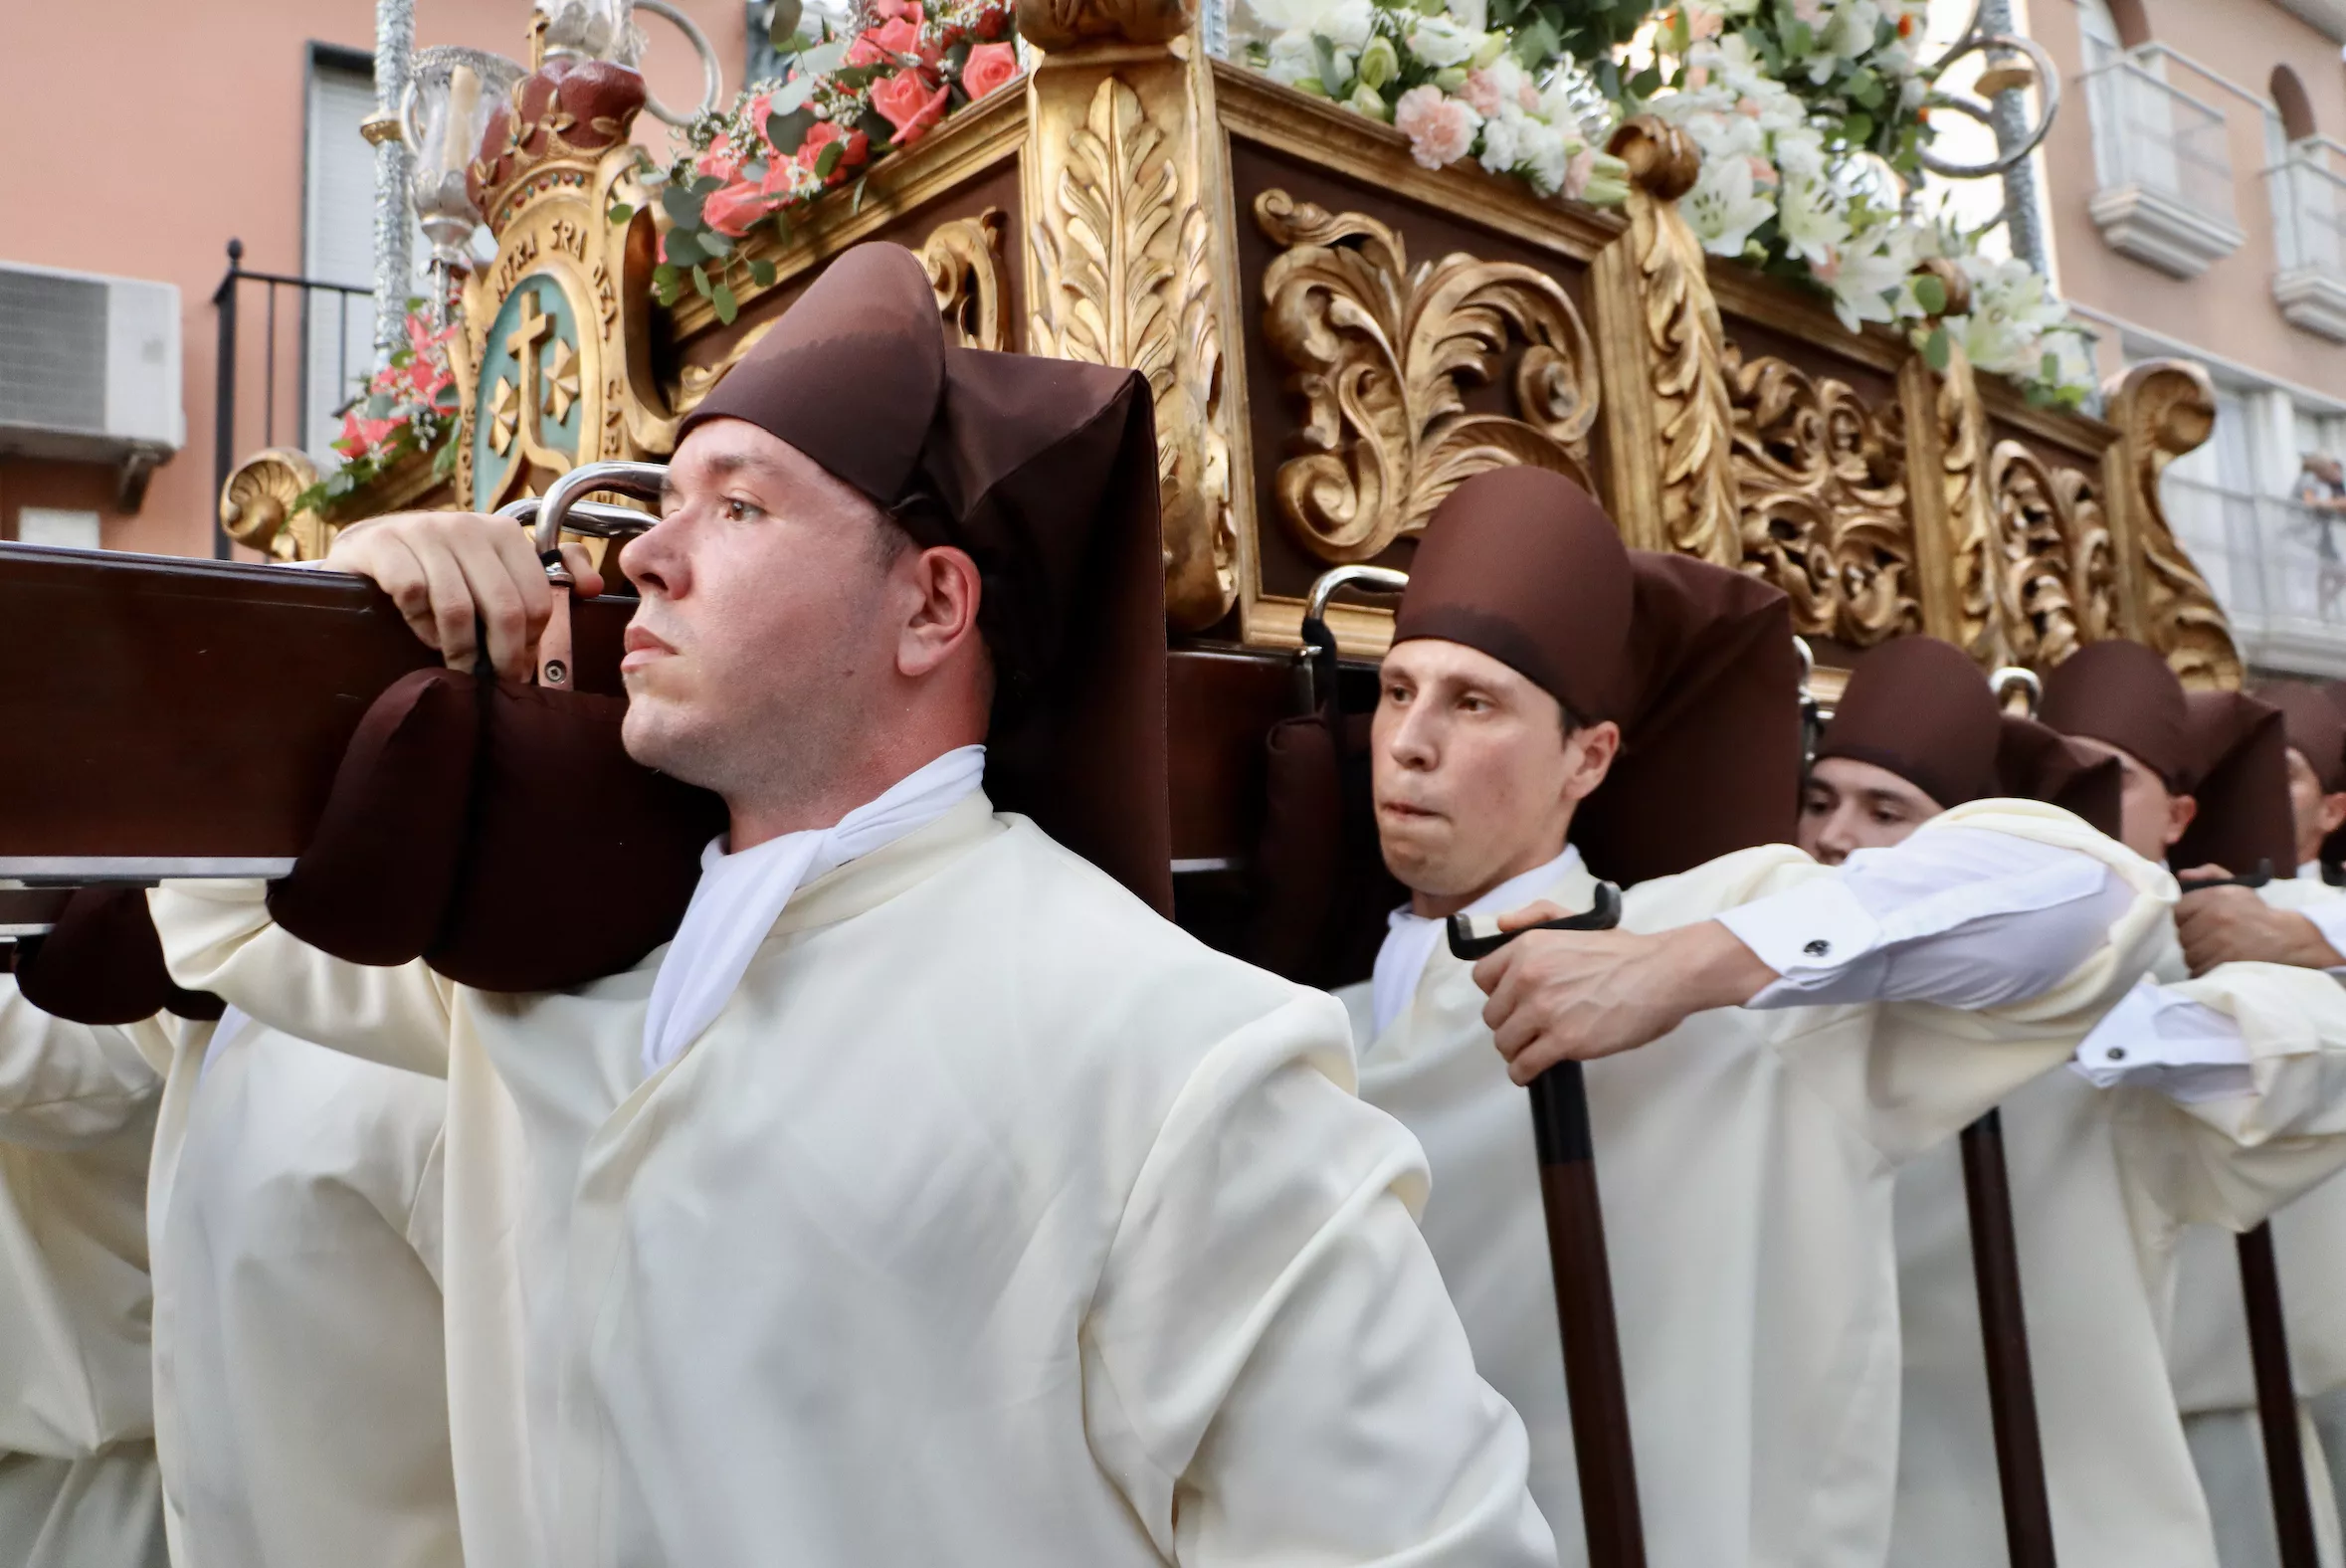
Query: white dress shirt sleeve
point(2329, 918)
point(1958, 917)
point(2154, 1038)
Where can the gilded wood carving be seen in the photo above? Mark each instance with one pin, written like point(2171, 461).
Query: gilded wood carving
point(1663, 339)
point(1984, 604)
point(2059, 568)
point(2164, 408)
point(1822, 479)
point(1382, 354)
point(256, 505)
point(1123, 273)
point(963, 259)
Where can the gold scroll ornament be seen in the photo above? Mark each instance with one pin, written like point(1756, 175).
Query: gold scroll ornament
point(1382, 354)
point(1823, 483)
point(2164, 408)
point(2059, 565)
point(256, 505)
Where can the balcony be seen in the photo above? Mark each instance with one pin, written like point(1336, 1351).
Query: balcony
point(2308, 190)
point(2165, 193)
point(2277, 570)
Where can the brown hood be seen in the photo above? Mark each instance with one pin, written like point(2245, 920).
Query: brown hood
point(2241, 778)
point(1920, 709)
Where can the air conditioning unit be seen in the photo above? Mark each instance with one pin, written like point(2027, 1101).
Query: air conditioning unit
point(89, 370)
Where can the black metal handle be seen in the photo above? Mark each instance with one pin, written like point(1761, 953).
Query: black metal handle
point(1475, 936)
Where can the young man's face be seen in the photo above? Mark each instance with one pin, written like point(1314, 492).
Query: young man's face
point(2317, 815)
point(1847, 805)
point(764, 633)
point(2150, 816)
point(1475, 780)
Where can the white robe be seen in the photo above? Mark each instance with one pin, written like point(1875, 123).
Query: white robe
point(1744, 1163)
point(994, 1219)
point(301, 1383)
point(78, 1480)
point(2208, 1353)
point(2102, 1183)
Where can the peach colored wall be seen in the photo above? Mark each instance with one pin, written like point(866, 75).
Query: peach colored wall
point(2229, 309)
point(137, 142)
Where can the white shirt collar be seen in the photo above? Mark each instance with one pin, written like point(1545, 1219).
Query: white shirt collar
point(1409, 939)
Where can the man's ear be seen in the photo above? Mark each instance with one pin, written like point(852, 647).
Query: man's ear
point(2333, 812)
point(946, 614)
point(1596, 747)
point(2181, 809)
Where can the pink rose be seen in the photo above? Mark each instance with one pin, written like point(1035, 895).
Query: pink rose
point(1441, 131)
point(760, 108)
point(854, 147)
point(892, 10)
point(732, 210)
point(905, 102)
point(888, 44)
point(989, 66)
point(718, 159)
point(1577, 172)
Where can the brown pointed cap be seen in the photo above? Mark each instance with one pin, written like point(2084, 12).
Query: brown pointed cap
point(2123, 694)
point(1522, 564)
point(2315, 726)
point(1044, 470)
point(1920, 709)
point(2239, 775)
point(2036, 763)
point(1694, 662)
point(1711, 735)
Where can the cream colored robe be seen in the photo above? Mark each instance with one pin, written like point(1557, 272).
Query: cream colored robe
point(300, 1382)
point(1744, 1162)
point(2208, 1353)
point(2103, 1182)
point(994, 1220)
point(78, 1480)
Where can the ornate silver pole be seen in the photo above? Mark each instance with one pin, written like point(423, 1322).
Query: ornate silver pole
point(2023, 220)
point(395, 38)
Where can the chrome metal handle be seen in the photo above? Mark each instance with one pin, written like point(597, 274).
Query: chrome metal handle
point(1376, 579)
point(2004, 679)
point(712, 75)
point(641, 479)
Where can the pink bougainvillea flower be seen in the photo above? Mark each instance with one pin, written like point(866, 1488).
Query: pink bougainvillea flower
point(361, 435)
point(896, 10)
point(1441, 130)
point(906, 101)
point(989, 66)
point(854, 148)
point(732, 210)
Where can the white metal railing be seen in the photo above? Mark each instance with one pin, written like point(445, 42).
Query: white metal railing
point(2147, 131)
point(2308, 191)
point(2278, 568)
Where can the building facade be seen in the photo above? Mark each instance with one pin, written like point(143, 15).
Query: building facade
point(2193, 195)
point(122, 188)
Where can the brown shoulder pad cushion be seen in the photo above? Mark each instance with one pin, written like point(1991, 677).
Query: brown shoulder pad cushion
point(103, 964)
point(578, 859)
point(372, 884)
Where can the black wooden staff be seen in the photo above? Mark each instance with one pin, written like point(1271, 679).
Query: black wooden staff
point(2276, 1399)
point(1593, 1381)
point(2004, 1346)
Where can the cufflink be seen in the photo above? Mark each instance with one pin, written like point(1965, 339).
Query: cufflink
point(2117, 1052)
point(1818, 948)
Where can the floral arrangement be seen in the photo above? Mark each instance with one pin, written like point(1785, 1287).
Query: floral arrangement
point(408, 406)
point(1811, 119)
point(1436, 74)
point(852, 96)
point(1810, 116)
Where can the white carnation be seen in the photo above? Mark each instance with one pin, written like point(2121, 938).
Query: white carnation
point(1438, 41)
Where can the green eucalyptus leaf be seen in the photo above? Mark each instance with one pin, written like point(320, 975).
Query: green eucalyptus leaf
point(701, 281)
point(827, 160)
point(620, 212)
point(782, 25)
point(1931, 295)
point(717, 245)
point(683, 206)
point(684, 247)
point(722, 298)
point(788, 133)
point(1936, 349)
point(761, 271)
point(1859, 128)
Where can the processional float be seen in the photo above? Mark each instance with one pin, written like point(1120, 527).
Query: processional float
point(1334, 336)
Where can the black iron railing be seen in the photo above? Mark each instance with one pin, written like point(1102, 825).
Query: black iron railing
point(314, 304)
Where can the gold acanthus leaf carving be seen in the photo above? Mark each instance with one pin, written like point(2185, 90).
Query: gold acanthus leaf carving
point(1984, 605)
point(1126, 278)
point(1063, 24)
point(1822, 479)
point(1685, 346)
point(2164, 408)
point(1382, 354)
point(963, 258)
point(2060, 569)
